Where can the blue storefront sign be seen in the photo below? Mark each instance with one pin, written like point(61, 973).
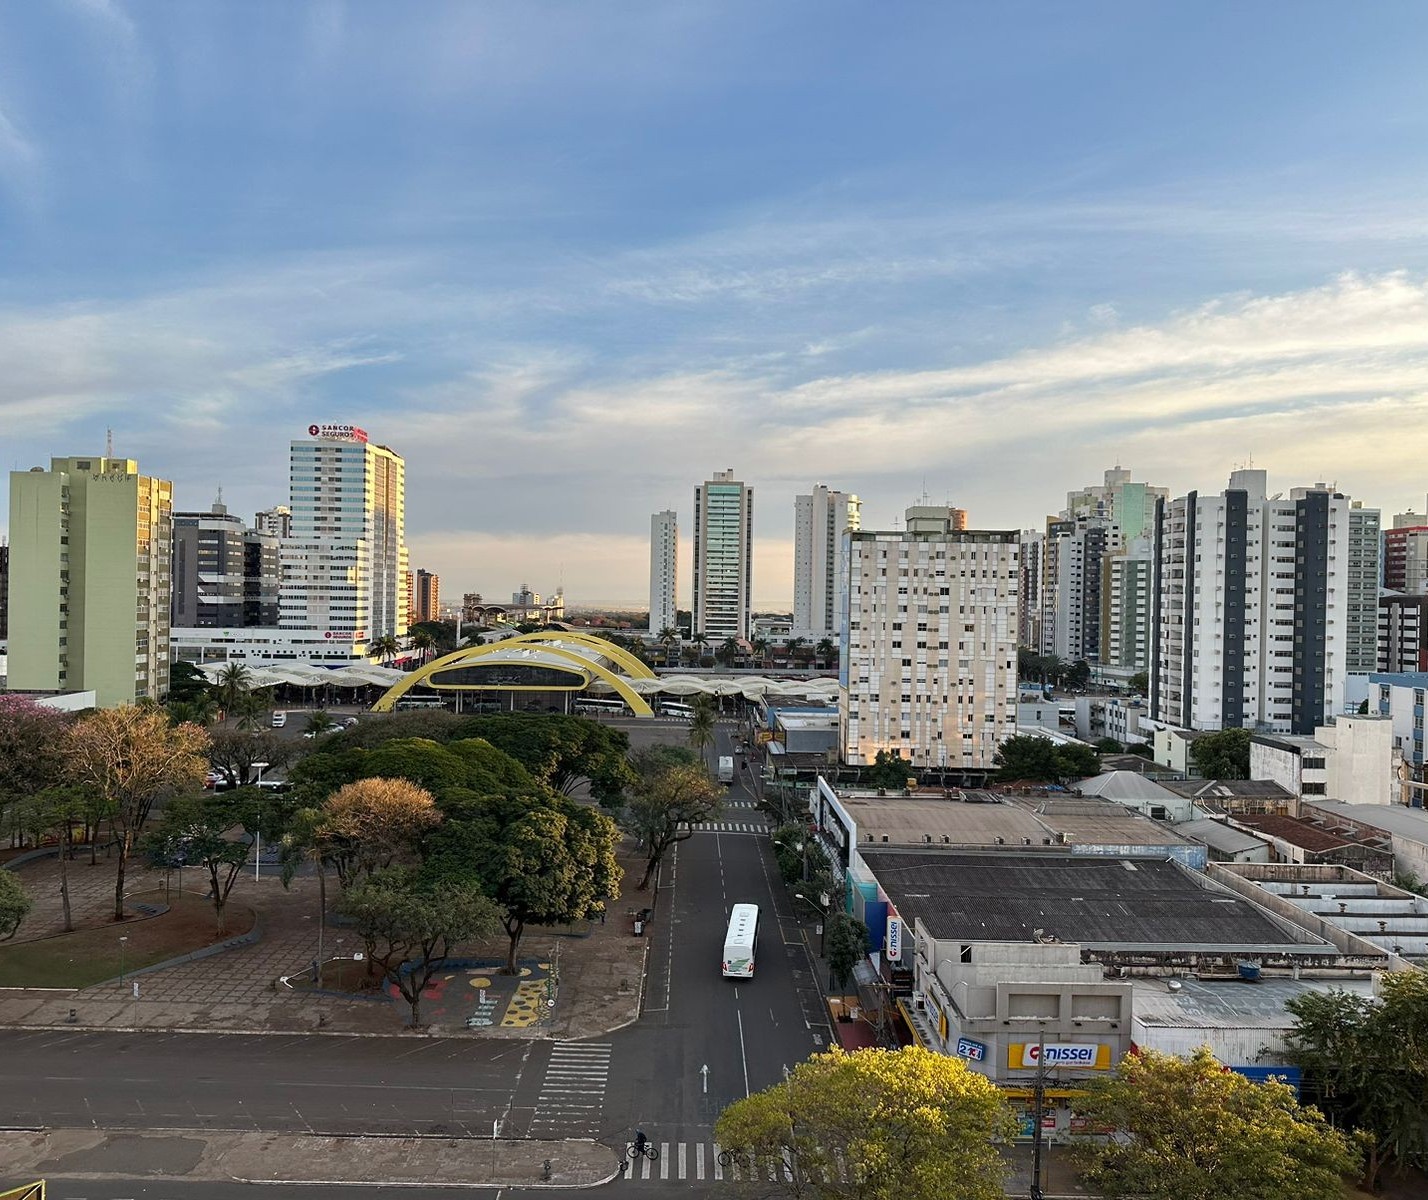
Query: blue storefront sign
point(967, 1048)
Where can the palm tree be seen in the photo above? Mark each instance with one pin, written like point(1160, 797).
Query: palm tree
point(761, 651)
point(668, 638)
point(728, 651)
point(794, 646)
point(252, 706)
point(384, 647)
point(199, 711)
point(701, 725)
point(422, 642)
point(234, 682)
point(824, 650)
point(701, 643)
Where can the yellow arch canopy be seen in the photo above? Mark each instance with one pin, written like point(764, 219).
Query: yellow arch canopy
point(589, 658)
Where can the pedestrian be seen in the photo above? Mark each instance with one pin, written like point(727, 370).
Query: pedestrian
point(602, 914)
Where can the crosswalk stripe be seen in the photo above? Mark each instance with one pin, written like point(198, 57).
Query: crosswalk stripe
point(681, 1160)
point(699, 1161)
point(718, 1166)
point(698, 1158)
point(664, 1160)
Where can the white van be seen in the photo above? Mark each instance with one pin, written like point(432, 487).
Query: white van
point(279, 719)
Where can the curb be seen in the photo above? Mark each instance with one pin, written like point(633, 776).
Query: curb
point(243, 939)
point(520, 1185)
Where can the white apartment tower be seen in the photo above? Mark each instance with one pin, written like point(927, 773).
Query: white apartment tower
point(1033, 543)
point(929, 641)
point(1126, 605)
point(819, 521)
point(345, 562)
point(664, 571)
point(1251, 608)
point(723, 557)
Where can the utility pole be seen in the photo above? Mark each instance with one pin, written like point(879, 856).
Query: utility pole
point(1038, 1103)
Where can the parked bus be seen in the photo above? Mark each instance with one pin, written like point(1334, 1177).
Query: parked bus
point(672, 708)
point(616, 707)
point(741, 942)
point(410, 702)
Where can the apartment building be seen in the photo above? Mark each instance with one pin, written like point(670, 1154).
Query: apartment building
point(723, 557)
point(1032, 548)
point(819, 520)
point(1126, 607)
point(664, 571)
point(225, 575)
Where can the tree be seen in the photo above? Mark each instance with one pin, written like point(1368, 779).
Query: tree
point(320, 722)
point(761, 651)
point(668, 638)
point(1109, 745)
point(1226, 1138)
point(201, 711)
point(728, 651)
point(887, 770)
point(239, 756)
point(410, 924)
point(825, 651)
point(234, 683)
point(561, 752)
point(668, 799)
point(1139, 683)
point(131, 757)
point(701, 725)
point(423, 642)
point(903, 1124)
point(1364, 1061)
point(845, 946)
point(52, 814)
point(187, 683)
point(1028, 758)
point(193, 831)
point(1222, 755)
point(795, 646)
point(15, 904)
point(544, 859)
point(367, 825)
point(32, 741)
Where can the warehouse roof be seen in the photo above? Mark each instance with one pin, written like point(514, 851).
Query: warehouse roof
point(1102, 903)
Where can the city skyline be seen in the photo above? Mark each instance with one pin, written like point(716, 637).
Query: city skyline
point(529, 248)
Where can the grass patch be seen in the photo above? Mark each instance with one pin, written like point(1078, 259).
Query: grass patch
point(91, 954)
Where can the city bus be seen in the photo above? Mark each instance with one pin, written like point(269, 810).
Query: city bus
point(407, 703)
point(615, 707)
point(673, 708)
point(741, 942)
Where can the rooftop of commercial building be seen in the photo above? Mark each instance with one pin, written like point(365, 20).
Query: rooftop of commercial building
point(1099, 903)
point(1228, 789)
point(1125, 785)
point(1313, 836)
point(973, 817)
point(1227, 1004)
point(1390, 818)
point(1289, 741)
point(1219, 836)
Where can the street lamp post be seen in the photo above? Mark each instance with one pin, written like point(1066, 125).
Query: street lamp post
point(258, 833)
point(122, 939)
point(1038, 1105)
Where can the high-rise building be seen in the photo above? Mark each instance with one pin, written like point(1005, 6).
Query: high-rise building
point(427, 596)
point(345, 563)
point(1073, 572)
point(1130, 507)
point(723, 557)
point(225, 575)
point(1365, 575)
point(1033, 543)
point(89, 592)
point(1126, 607)
point(819, 521)
point(1405, 557)
point(277, 521)
point(4, 589)
point(664, 571)
point(931, 518)
point(929, 646)
point(1402, 633)
point(1251, 608)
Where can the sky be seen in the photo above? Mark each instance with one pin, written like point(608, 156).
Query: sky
point(570, 259)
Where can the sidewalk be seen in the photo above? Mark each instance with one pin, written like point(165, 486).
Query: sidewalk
point(598, 985)
point(270, 1158)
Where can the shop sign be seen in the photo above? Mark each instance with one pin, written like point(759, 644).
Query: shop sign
point(1087, 1056)
point(894, 939)
point(967, 1048)
point(341, 433)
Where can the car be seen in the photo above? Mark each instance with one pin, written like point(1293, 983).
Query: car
point(280, 719)
point(348, 722)
point(211, 779)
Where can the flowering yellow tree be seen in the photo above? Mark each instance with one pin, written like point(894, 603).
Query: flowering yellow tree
point(875, 1125)
point(368, 825)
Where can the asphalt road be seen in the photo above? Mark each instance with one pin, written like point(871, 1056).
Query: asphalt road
point(746, 1032)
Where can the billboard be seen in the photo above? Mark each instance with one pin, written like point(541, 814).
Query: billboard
point(894, 939)
point(340, 433)
point(1085, 1056)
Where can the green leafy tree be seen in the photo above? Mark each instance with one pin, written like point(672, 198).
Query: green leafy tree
point(1077, 761)
point(544, 859)
point(423, 642)
point(1139, 683)
point(728, 652)
point(233, 684)
point(701, 725)
point(888, 770)
point(194, 832)
point(15, 904)
point(1364, 1061)
point(131, 757)
point(1192, 1130)
point(562, 752)
point(320, 723)
point(903, 1124)
point(1141, 749)
point(824, 652)
point(51, 815)
point(668, 800)
point(1109, 745)
point(236, 754)
point(1222, 755)
point(187, 683)
point(845, 946)
point(1031, 759)
point(442, 634)
point(385, 647)
point(789, 850)
point(669, 639)
point(201, 711)
point(410, 924)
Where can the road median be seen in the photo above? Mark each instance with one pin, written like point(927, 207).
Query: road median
point(286, 1159)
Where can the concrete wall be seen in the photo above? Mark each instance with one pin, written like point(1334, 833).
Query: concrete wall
point(1276, 763)
point(1363, 768)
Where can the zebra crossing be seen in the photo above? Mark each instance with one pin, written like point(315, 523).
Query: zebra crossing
point(732, 826)
point(707, 1161)
point(573, 1090)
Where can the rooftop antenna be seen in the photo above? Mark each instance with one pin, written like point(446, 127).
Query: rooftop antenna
point(108, 443)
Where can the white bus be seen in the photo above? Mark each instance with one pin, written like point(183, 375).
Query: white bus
point(672, 708)
point(741, 943)
point(600, 706)
point(406, 703)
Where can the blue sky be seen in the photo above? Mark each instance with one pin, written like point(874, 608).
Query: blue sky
point(571, 258)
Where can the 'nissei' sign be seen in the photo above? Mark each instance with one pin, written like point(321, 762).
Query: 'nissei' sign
point(1088, 1056)
point(341, 433)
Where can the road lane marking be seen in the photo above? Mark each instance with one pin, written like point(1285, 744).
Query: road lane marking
point(742, 1055)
